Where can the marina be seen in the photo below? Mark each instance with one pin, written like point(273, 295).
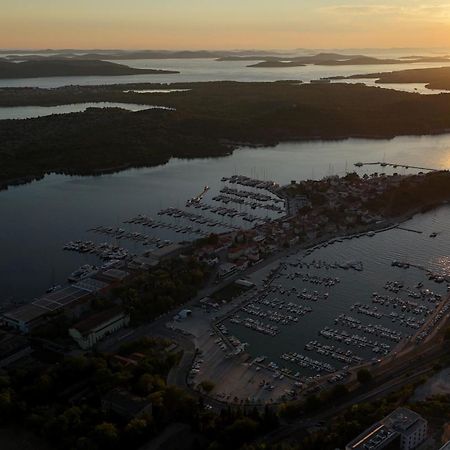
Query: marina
point(301, 312)
point(194, 226)
point(125, 195)
point(103, 250)
point(393, 309)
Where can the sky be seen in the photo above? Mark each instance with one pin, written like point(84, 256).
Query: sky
point(224, 24)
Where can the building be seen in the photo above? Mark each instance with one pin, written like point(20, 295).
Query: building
point(227, 269)
point(183, 314)
point(403, 428)
point(245, 283)
point(90, 331)
point(143, 262)
point(167, 252)
point(126, 405)
point(71, 299)
point(25, 318)
point(411, 426)
point(376, 437)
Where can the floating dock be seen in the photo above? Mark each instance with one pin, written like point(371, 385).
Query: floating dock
point(395, 166)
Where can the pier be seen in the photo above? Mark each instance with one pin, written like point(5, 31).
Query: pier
point(394, 166)
point(410, 229)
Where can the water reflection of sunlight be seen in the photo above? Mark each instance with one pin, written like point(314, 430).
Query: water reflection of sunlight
point(443, 262)
point(445, 159)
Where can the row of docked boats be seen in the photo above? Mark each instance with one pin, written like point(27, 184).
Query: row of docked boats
point(320, 264)
point(273, 315)
point(358, 340)
point(243, 180)
point(258, 196)
point(103, 250)
point(376, 330)
point(308, 363)
point(120, 233)
point(229, 212)
point(196, 218)
point(255, 325)
point(330, 351)
point(303, 295)
point(151, 223)
point(313, 279)
point(402, 304)
point(226, 199)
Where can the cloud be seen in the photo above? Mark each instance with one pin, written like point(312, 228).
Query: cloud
point(360, 10)
point(413, 12)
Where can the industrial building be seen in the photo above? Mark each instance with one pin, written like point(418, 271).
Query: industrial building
point(73, 300)
point(93, 329)
point(403, 429)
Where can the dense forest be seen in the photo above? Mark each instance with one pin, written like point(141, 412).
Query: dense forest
point(434, 78)
point(412, 193)
point(61, 403)
point(67, 68)
point(211, 119)
point(162, 288)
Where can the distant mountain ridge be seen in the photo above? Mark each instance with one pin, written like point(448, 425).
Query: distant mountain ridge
point(112, 55)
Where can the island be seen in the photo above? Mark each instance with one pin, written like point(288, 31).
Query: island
point(435, 78)
point(21, 55)
point(336, 59)
point(205, 119)
point(69, 68)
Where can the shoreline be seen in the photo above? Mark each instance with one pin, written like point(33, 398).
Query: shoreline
point(406, 346)
point(209, 120)
point(232, 146)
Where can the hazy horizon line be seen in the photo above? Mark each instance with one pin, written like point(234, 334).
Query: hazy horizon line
point(218, 49)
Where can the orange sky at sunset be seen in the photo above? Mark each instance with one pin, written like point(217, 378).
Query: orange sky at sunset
point(233, 24)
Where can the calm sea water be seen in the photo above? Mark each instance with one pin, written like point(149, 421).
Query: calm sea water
point(200, 70)
point(193, 70)
point(376, 254)
point(40, 217)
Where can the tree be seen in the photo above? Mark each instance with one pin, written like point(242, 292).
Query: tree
point(447, 334)
point(6, 403)
point(242, 430)
point(84, 443)
point(364, 376)
point(290, 410)
point(207, 386)
point(338, 391)
point(312, 403)
point(136, 430)
point(106, 435)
